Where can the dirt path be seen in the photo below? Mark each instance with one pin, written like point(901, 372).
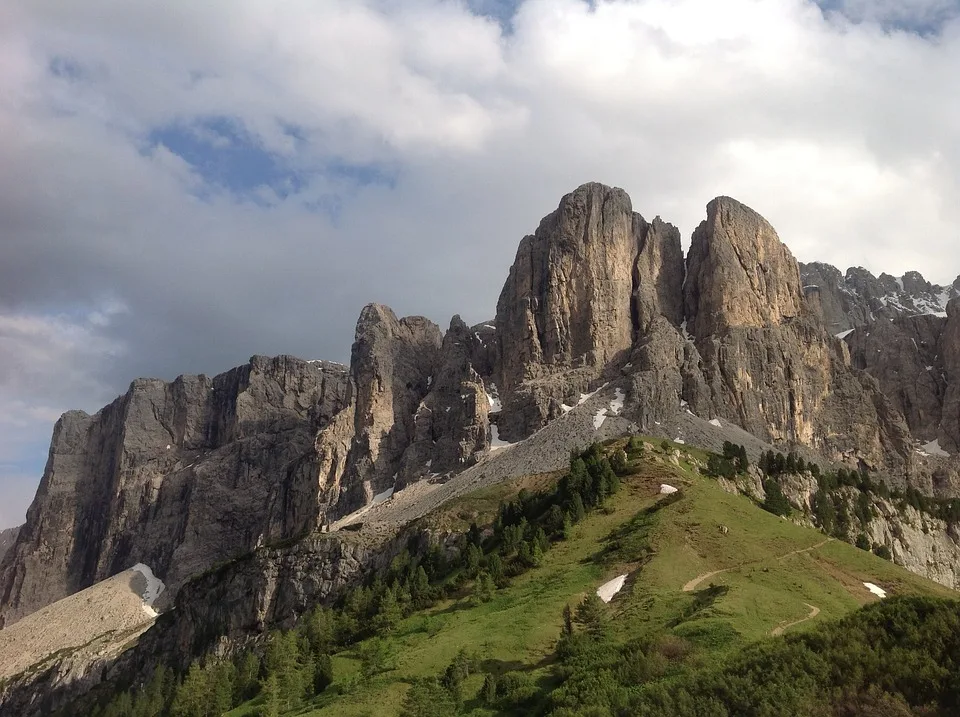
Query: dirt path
point(814, 611)
point(692, 585)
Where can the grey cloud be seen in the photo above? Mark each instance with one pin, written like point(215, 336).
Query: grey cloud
point(845, 137)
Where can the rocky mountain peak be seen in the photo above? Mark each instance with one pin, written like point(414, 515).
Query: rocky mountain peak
point(739, 273)
point(857, 297)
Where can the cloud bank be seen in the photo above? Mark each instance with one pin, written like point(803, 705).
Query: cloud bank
point(186, 184)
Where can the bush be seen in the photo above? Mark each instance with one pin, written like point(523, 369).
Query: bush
point(882, 551)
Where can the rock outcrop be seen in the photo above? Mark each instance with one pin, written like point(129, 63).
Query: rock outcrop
point(739, 273)
point(575, 298)
point(177, 475)
point(391, 370)
point(906, 358)
point(765, 361)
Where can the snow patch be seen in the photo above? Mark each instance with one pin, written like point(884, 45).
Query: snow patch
point(845, 334)
point(154, 587)
point(565, 408)
point(606, 591)
point(616, 405)
point(584, 397)
point(383, 497)
point(494, 399)
point(933, 448)
point(667, 489)
point(679, 441)
point(716, 422)
point(599, 417)
point(876, 590)
point(495, 443)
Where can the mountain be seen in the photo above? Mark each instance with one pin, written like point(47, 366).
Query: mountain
point(858, 298)
point(261, 492)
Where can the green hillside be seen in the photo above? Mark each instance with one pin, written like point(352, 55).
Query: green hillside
point(726, 610)
point(692, 588)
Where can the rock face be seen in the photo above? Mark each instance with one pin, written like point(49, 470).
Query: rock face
point(391, 369)
point(575, 298)
point(765, 360)
point(177, 475)
point(8, 537)
point(905, 356)
point(740, 274)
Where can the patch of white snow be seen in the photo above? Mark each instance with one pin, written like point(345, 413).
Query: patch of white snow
point(494, 399)
point(667, 489)
point(616, 405)
point(154, 587)
point(606, 591)
point(876, 590)
point(716, 422)
point(845, 334)
point(933, 448)
point(384, 497)
point(495, 443)
point(599, 417)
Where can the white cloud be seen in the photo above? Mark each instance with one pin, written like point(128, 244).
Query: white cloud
point(845, 134)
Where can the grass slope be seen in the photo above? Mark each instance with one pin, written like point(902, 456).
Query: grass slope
point(770, 576)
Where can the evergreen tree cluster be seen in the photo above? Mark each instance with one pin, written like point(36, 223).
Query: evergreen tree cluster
point(775, 465)
point(732, 461)
point(899, 657)
point(295, 667)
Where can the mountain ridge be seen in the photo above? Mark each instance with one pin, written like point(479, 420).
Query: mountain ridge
point(596, 294)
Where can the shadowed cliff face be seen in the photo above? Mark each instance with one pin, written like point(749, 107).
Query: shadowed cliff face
point(184, 475)
point(176, 475)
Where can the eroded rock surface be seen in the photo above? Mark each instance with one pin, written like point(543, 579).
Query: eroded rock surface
point(177, 475)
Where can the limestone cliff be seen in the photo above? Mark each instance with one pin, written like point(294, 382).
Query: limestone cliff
point(576, 297)
point(177, 475)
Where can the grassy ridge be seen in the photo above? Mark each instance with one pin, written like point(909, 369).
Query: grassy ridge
point(772, 574)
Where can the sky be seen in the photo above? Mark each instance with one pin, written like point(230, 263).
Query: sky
point(184, 185)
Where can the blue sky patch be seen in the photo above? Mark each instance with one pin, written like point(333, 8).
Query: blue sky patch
point(925, 24)
point(227, 156)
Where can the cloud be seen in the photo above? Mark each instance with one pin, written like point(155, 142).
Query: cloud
point(241, 177)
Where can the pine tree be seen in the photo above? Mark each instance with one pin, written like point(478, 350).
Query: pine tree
point(484, 587)
point(193, 695)
point(388, 610)
point(420, 590)
point(221, 677)
point(591, 614)
point(577, 511)
point(248, 678)
point(271, 697)
point(322, 673)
